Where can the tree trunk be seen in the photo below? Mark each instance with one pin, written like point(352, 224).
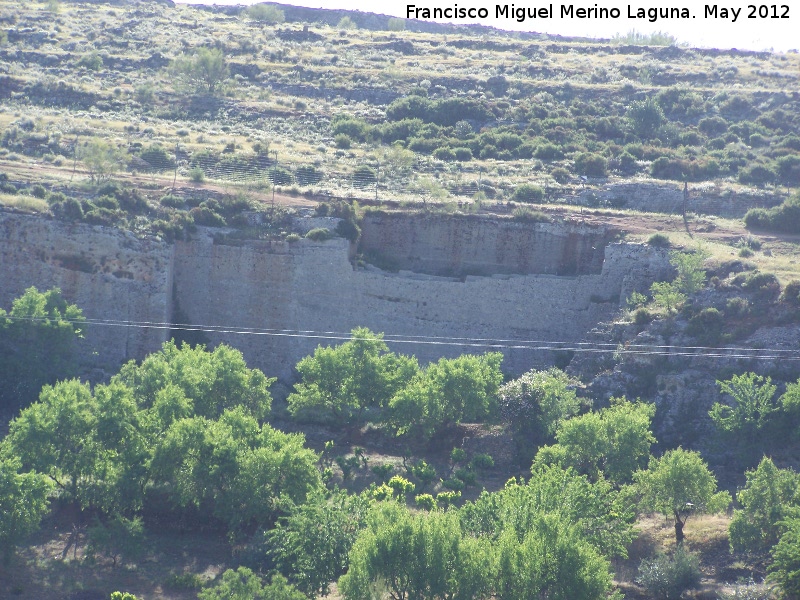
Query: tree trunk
point(678, 530)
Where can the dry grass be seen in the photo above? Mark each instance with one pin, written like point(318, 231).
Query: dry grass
point(22, 202)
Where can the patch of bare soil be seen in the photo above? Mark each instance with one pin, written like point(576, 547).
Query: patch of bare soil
point(706, 535)
point(52, 567)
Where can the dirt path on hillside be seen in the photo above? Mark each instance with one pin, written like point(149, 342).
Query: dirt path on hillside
point(703, 227)
point(34, 173)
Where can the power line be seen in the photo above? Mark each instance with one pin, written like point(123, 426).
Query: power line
point(534, 345)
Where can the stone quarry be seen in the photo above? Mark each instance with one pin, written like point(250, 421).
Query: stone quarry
point(439, 285)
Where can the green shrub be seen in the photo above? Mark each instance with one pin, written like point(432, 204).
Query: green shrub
point(737, 307)
point(172, 201)
point(197, 175)
point(383, 471)
point(91, 61)
point(453, 484)
point(292, 238)
point(713, 126)
point(445, 154)
point(463, 154)
point(266, 13)
point(548, 152)
point(184, 581)
point(458, 455)
point(319, 234)
point(791, 293)
point(706, 326)
point(205, 216)
point(342, 141)
point(527, 214)
point(785, 218)
point(759, 175)
point(659, 240)
point(560, 174)
point(642, 316)
point(69, 209)
point(467, 476)
point(668, 577)
point(396, 24)
point(591, 165)
point(425, 501)
point(482, 461)
point(645, 117)
point(527, 192)
point(447, 498)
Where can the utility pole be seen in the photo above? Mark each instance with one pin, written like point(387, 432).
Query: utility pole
point(274, 178)
point(75, 159)
point(685, 197)
point(175, 176)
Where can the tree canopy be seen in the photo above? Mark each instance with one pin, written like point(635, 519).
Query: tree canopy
point(341, 382)
point(38, 345)
point(679, 484)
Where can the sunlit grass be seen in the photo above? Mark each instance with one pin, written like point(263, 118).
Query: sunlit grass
point(23, 202)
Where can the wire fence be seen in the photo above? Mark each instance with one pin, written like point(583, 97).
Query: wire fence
point(406, 179)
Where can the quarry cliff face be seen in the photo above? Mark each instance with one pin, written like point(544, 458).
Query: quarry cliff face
point(453, 277)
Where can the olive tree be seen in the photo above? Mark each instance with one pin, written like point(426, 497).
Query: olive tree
point(679, 484)
point(23, 503)
point(39, 340)
point(206, 69)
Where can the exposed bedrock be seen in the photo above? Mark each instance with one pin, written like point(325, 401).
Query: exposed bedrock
point(458, 277)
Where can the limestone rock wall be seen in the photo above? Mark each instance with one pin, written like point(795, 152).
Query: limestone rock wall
point(458, 245)
point(110, 274)
point(279, 289)
point(277, 301)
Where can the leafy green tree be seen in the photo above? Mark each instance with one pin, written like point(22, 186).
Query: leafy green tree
point(118, 538)
point(206, 69)
point(691, 274)
point(602, 514)
point(679, 484)
point(613, 442)
point(101, 158)
point(751, 411)
point(554, 561)
point(210, 382)
point(447, 392)
point(667, 295)
point(23, 503)
point(266, 13)
point(345, 380)
point(57, 436)
point(422, 555)
point(312, 543)
point(785, 568)
point(233, 469)
point(38, 345)
point(768, 498)
point(535, 405)
point(645, 117)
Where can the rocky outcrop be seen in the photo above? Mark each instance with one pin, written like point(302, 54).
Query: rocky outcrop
point(278, 300)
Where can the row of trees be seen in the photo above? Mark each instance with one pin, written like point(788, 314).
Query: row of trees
point(181, 432)
point(342, 384)
point(183, 435)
